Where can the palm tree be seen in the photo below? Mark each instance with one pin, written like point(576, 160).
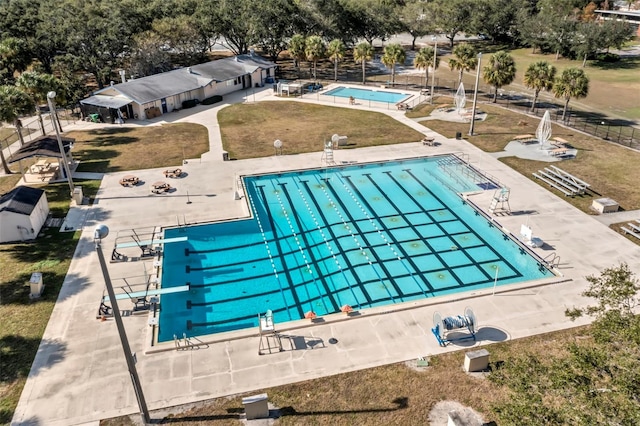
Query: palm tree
point(572, 83)
point(363, 53)
point(500, 71)
point(393, 54)
point(314, 51)
point(13, 103)
point(296, 49)
point(465, 59)
point(424, 60)
point(336, 52)
point(539, 76)
point(37, 85)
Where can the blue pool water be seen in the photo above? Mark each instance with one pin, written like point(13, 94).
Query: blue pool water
point(364, 235)
point(368, 94)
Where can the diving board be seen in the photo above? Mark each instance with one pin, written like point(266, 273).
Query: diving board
point(149, 242)
point(153, 292)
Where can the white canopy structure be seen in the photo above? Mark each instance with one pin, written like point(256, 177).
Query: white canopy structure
point(460, 98)
point(543, 132)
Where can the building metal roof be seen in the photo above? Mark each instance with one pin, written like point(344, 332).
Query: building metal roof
point(43, 146)
point(106, 101)
point(159, 86)
point(21, 200)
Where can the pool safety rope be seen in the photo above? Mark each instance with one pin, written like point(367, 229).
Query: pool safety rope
point(326, 242)
point(266, 244)
point(393, 250)
point(364, 253)
point(300, 248)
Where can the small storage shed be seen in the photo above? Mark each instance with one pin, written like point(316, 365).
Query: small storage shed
point(23, 212)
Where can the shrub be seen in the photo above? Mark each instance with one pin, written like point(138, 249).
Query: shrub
point(608, 57)
point(212, 100)
point(189, 104)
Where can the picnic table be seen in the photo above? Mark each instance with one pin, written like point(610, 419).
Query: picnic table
point(129, 180)
point(160, 187)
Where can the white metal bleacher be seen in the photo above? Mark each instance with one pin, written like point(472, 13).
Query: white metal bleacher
point(635, 229)
point(564, 182)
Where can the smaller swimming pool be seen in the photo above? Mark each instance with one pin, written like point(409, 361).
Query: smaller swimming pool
point(368, 94)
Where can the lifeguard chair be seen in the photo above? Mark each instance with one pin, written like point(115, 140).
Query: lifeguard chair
point(269, 337)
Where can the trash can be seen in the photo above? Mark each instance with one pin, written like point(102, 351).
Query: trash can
point(256, 406)
point(225, 156)
point(459, 135)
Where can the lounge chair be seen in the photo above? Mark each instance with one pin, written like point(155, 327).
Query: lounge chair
point(527, 235)
point(173, 173)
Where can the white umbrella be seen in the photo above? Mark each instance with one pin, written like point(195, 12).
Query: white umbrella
point(460, 98)
point(543, 132)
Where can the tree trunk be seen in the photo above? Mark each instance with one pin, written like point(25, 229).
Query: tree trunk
point(363, 71)
point(495, 95)
point(335, 71)
point(393, 75)
point(426, 77)
point(535, 99)
point(566, 106)
point(18, 125)
point(413, 43)
point(584, 61)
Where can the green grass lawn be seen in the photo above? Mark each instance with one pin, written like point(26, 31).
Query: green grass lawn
point(22, 321)
point(248, 131)
point(117, 149)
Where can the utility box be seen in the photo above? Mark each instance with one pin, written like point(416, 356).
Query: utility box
point(459, 136)
point(78, 196)
point(256, 406)
point(476, 360)
point(225, 156)
point(36, 284)
point(605, 205)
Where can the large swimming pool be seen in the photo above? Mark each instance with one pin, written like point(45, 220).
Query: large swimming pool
point(364, 235)
point(368, 94)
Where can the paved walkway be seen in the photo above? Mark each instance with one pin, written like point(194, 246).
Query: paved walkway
point(79, 375)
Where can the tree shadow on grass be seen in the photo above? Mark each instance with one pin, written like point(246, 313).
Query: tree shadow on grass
point(111, 131)
point(18, 354)
point(111, 141)
point(18, 290)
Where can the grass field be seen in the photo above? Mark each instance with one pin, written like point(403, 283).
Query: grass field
point(248, 131)
point(22, 321)
point(117, 149)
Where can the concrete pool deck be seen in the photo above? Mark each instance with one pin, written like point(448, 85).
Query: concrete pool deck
point(79, 375)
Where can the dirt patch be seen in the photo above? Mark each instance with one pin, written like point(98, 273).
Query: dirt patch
point(439, 414)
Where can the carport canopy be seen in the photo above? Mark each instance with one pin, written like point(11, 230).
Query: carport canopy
point(44, 146)
point(106, 101)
